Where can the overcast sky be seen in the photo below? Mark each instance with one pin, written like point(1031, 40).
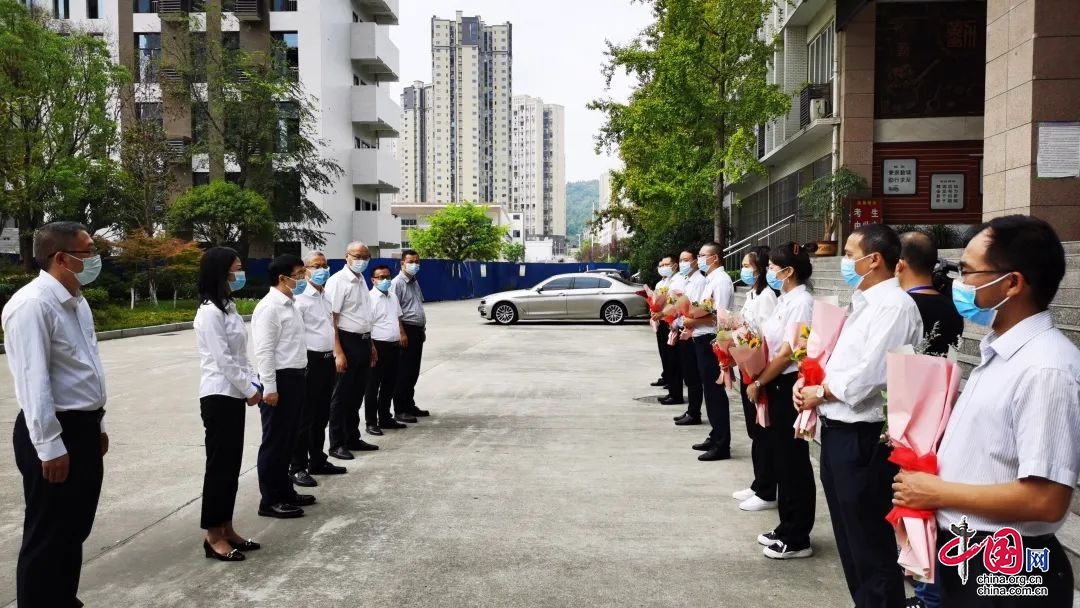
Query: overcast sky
point(558, 53)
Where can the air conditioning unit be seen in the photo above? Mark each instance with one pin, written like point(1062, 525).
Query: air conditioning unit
point(819, 108)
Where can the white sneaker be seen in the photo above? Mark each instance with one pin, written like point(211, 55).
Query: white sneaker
point(768, 538)
point(742, 495)
point(779, 550)
point(756, 504)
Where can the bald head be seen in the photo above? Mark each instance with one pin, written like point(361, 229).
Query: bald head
point(918, 252)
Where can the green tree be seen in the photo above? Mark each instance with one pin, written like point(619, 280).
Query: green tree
point(148, 178)
point(688, 130)
point(222, 213)
point(460, 232)
point(151, 259)
point(57, 122)
point(514, 252)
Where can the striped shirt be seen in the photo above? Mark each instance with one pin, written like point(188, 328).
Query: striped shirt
point(1018, 417)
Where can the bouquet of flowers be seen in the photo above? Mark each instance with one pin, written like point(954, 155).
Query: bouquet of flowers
point(921, 392)
point(818, 346)
point(752, 355)
point(656, 299)
point(727, 325)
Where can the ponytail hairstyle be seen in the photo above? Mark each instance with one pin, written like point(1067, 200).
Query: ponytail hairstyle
point(796, 257)
point(759, 259)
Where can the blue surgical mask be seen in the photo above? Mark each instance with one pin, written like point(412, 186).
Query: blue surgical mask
point(91, 269)
point(703, 265)
point(359, 266)
point(847, 271)
point(665, 271)
point(238, 282)
point(413, 269)
point(383, 285)
point(320, 276)
point(773, 281)
point(746, 275)
point(963, 297)
point(301, 285)
point(685, 268)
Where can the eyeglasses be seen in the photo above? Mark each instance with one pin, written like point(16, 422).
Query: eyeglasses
point(961, 273)
point(318, 266)
point(90, 252)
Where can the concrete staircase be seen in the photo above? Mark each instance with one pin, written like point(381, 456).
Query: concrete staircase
point(1065, 308)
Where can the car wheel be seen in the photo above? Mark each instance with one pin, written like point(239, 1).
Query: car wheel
point(504, 313)
point(613, 313)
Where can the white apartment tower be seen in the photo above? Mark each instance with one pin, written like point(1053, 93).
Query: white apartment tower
point(538, 167)
point(468, 136)
point(555, 174)
point(412, 144)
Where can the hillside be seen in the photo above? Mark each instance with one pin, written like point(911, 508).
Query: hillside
point(581, 198)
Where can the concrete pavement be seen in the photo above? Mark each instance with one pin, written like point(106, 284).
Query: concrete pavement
point(540, 480)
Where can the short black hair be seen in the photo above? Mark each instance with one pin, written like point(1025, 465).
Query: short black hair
point(283, 265)
point(882, 240)
point(53, 238)
point(381, 267)
point(214, 269)
point(717, 247)
point(407, 252)
point(918, 251)
point(692, 252)
point(1028, 245)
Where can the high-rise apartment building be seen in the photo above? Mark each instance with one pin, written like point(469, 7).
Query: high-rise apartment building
point(412, 147)
point(340, 51)
point(538, 166)
point(468, 136)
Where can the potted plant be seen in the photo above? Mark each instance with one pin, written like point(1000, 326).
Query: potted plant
point(824, 200)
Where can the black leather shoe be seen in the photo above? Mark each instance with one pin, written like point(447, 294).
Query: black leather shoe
point(686, 420)
point(302, 478)
point(670, 401)
point(660, 382)
point(405, 418)
point(362, 446)
point(704, 446)
point(281, 511)
point(327, 469)
point(419, 413)
point(247, 545)
point(301, 500)
point(374, 430)
point(341, 454)
point(231, 556)
point(680, 416)
point(715, 454)
point(392, 424)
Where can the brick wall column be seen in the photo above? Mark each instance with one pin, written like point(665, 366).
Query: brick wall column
point(857, 93)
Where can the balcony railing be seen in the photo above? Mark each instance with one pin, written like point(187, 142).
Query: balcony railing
point(815, 103)
point(248, 10)
point(173, 10)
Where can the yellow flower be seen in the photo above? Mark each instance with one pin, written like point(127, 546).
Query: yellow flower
point(804, 331)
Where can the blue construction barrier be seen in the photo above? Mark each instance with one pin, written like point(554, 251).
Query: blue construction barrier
point(448, 280)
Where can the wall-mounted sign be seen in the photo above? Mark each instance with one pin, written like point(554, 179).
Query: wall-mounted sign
point(865, 211)
point(947, 191)
point(1059, 149)
point(899, 176)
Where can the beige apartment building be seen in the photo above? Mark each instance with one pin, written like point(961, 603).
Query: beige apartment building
point(538, 168)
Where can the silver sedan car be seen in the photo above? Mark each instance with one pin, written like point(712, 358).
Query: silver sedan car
point(569, 296)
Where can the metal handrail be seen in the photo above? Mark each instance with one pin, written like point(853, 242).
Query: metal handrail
point(758, 233)
point(730, 253)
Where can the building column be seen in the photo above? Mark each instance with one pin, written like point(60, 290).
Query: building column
point(857, 92)
point(1031, 77)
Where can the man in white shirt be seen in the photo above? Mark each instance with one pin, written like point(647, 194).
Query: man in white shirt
point(1009, 456)
point(688, 282)
point(718, 289)
point(855, 471)
point(280, 358)
point(308, 457)
point(59, 434)
point(671, 374)
point(353, 351)
point(387, 335)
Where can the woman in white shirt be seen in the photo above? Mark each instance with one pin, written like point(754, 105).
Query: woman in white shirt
point(788, 270)
point(226, 383)
point(758, 307)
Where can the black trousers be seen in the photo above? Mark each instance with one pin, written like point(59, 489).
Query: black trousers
point(690, 375)
point(857, 478)
point(669, 359)
point(382, 385)
point(1058, 580)
point(223, 419)
point(311, 436)
point(717, 405)
point(279, 424)
point(349, 390)
point(59, 516)
point(790, 463)
point(409, 370)
point(764, 484)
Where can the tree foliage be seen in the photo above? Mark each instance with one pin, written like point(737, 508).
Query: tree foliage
point(514, 252)
point(57, 122)
point(687, 131)
point(823, 199)
point(460, 232)
point(221, 213)
point(581, 199)
point(153, 259)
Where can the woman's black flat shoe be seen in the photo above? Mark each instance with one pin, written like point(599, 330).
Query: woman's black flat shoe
point(231, 556)
point(246, 545)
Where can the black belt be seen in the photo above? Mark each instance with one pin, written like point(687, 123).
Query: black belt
point(318, 354)
point(81, 416)
point(836, 424)
point(366, 336)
